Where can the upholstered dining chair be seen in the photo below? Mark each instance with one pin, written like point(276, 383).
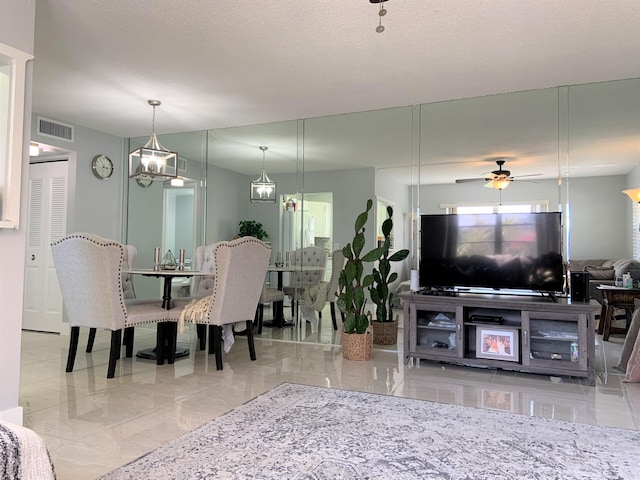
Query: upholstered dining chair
point(89, 270)
point(273, 296)
point(129, 292)
point(240, 267)
point(337, 264)
point(299, 280)
point(203, 286)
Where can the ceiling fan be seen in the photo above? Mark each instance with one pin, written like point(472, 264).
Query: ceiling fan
point(498, 179)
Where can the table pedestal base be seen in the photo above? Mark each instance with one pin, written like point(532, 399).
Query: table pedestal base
point(150, 353)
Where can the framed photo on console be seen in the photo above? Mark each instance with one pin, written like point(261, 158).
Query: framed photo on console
point(498, 344)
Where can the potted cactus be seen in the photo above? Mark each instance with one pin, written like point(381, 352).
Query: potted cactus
point(385, 327)
point(357, 333)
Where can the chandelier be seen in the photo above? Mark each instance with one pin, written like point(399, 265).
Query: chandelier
point(263, 190)
point(153, 161)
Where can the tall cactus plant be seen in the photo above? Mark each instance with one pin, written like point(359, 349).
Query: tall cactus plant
point(351, 300)
point(353, 283)
point(382, 275)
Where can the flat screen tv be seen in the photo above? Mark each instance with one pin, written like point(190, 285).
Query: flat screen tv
point(520, 251)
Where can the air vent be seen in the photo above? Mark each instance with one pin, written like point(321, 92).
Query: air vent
point(55, 129)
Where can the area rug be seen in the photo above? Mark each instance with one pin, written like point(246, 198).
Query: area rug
point(314, 433)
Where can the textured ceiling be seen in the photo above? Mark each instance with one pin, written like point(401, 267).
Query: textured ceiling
point(226, 63)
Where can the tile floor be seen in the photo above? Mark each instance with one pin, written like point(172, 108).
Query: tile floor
point(91, 424)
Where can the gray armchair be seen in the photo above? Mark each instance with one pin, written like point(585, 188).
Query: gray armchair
point(89, 270)
point(240, 267)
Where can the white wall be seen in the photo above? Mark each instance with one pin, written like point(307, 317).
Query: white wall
point(600, 218)
point(17, 24)
point(100, 201)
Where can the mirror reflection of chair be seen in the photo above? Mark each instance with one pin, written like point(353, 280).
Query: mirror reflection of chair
point(315, 257)
point(240, 269)
point(337, 264)
point(203, 286)
point(89, 270)
point(273, 296)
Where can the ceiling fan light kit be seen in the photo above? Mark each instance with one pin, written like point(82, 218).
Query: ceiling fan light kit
point(499, 179)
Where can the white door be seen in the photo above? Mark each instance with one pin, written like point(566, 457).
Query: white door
point(46, 223)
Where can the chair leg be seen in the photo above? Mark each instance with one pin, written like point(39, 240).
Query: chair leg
point(215, 336)
point(161, 349)
point(261, 316)
point(252, 346)
point(114, 352)
point(332, 306)
point(91, 339)
point(128, 341)
point(73, 348)
point(201, 328)
point(172, 341)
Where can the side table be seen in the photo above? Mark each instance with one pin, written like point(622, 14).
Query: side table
point(612, 298)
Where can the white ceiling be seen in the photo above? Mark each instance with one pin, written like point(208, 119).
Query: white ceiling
point(228, 63)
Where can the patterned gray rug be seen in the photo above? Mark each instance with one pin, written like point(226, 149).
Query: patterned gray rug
point(314, 433)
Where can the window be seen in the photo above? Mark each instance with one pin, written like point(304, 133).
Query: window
point(516, 207)
point(635, 232)
point(12, 93)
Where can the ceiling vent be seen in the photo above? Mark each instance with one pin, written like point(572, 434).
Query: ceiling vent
point(55, 129)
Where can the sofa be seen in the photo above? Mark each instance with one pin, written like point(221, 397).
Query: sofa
point(605, 272)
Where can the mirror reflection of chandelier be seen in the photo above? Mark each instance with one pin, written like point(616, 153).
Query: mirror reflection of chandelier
point(153, 161)
point(263, 190)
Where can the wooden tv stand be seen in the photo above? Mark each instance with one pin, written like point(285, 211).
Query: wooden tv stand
point(548, 337)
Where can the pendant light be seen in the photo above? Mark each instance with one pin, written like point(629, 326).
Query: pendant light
point(153, 161)
point(263, 190)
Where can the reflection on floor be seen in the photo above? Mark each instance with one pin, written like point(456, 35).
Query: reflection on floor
point(91, 424)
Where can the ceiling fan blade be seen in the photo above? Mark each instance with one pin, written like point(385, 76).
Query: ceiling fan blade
point(469, 180)
point(528, 175)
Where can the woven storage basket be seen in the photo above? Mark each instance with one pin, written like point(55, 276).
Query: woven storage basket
point(357, 346)
point(385, 333)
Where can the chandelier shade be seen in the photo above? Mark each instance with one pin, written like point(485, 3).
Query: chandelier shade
point(498, 183)
point(153, 161)
point(263, 190)
point(633, 194)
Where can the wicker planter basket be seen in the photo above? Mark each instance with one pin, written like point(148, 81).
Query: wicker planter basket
point(357, 346)
point(385, 333)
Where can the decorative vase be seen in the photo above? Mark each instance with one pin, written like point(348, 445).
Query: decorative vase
point(357, 346)
point(385, 333)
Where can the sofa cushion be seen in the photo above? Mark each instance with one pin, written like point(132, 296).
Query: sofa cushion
point(627, 265)
point(600, 273)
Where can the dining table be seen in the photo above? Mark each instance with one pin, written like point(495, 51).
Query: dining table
point(279, 320)
point(167, 332)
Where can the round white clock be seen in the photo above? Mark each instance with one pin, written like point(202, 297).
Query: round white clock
point(102, 167)
point(144, 179)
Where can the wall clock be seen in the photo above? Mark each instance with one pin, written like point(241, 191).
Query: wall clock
point(102, 167)
point(144, 179)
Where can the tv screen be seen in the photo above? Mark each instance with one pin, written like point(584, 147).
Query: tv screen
point(499, 251)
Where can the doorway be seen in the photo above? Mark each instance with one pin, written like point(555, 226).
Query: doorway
point(46, 223)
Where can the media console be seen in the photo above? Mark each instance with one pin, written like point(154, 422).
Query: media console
point(524, 333)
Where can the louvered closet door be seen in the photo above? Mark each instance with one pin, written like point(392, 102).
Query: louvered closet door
point(46, 223)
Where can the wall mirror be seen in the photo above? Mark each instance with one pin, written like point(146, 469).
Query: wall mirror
point(571, 148)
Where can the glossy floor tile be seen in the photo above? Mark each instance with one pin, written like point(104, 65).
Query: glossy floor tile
point(91, 424)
